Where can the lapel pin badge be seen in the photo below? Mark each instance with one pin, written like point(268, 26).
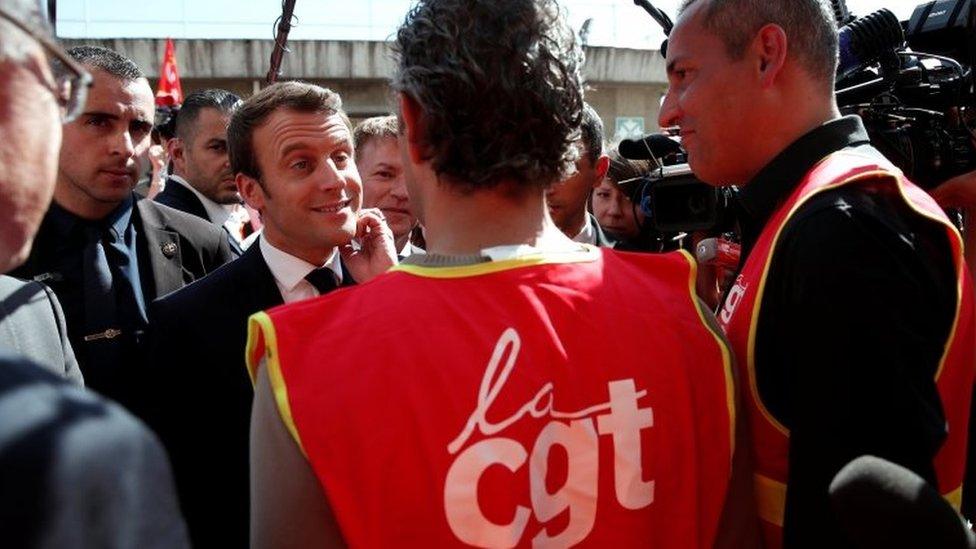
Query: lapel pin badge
point(169, 249)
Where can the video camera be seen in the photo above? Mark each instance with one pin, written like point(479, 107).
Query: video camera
point(911, 83)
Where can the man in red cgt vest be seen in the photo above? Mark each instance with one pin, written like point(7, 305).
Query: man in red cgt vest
point(852, 315)
point(511, 387)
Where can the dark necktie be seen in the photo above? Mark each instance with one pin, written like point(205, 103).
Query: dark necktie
point(323, 279)
point(100, 310)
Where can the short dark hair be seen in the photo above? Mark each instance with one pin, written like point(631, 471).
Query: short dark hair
point(13, 41)
point(376, 127)
point(253, 112)
point(110, 61)
point(499, 85)
point(592, 133)
point(211, 98)
point(809, 25)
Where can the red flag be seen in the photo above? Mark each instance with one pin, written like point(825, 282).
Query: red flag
point(170, 92)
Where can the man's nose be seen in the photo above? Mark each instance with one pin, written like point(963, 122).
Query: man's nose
point(330, 177)
point(670, 113)
point(399, 190)
point(121, 144)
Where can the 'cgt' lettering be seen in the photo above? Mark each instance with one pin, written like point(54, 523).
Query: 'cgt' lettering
point(577, 432)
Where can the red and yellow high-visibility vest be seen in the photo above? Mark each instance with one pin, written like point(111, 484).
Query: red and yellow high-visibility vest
point(549, 399)
point(740, 313)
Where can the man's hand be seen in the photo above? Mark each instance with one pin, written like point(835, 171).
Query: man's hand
point(158, 158)
point(377, 251)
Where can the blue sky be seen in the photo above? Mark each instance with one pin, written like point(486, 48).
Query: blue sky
point(617, 23)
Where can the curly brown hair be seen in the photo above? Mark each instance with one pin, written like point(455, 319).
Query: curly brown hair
point(499, 83)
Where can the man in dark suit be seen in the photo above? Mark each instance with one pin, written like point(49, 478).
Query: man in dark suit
point(75, 469)
point(568, 200)
point(105, 252)
point(310, 206)
point(202, 182)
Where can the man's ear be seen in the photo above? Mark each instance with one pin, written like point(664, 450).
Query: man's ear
point(176, 148)
point(600, 169)
point(412, 119)
point(770, 48)
point(251, 191)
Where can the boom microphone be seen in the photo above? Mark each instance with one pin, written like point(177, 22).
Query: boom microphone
point(883, 505)
point(654, 146)
point(864, 40)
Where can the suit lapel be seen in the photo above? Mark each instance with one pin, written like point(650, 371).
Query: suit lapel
point(163, 248)
point(264, 290)
point(183, 199)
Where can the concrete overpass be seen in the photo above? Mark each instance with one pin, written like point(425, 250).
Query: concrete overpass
point(624, 85)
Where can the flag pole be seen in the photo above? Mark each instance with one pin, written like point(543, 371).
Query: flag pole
point(281, 38)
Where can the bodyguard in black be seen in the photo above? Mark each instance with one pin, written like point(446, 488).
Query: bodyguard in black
point(105, 253)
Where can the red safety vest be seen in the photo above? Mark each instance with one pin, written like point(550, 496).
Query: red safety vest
point(553, 400)
point(740, 313)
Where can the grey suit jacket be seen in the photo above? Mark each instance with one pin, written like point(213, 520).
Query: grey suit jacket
point(32, 325)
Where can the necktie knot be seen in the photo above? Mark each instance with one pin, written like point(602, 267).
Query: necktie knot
point(323, 279)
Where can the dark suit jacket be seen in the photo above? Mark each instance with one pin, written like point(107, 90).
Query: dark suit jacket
point(32, 325)
point(174, 249)
point(175, 195)
point(201, 394)
point(77, 470)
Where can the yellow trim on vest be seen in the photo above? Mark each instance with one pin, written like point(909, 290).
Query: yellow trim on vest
point(954, 498)
point(726, 353)
point(770, 499)
point(587, 253)
point(253, 336)
point(262, 322)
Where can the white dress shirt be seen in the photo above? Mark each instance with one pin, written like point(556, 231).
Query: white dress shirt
point(289, 271)
point(587, 235)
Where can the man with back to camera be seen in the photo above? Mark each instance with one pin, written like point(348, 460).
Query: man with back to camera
point(105, 252)
point(202, 182)
point(384, 185)
point(568, 200)
point(200, 393)
point(359, 439)
point(75, 469)
point(851, 317)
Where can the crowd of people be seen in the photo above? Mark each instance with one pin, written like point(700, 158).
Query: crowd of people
point(452, 325)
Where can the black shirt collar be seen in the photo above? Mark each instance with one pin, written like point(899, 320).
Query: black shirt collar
point(758, 199)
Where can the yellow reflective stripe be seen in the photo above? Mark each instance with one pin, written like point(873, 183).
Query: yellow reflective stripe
point(954, 498)
point(260, 326)
point(586, 253)
point(726, 354)
point(770, 499)
point(254, 335)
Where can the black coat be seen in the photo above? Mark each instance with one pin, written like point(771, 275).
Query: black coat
point(176, 196)
point(179, 197)
point(174, 249)
point(201, 394)
point(76, 470)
